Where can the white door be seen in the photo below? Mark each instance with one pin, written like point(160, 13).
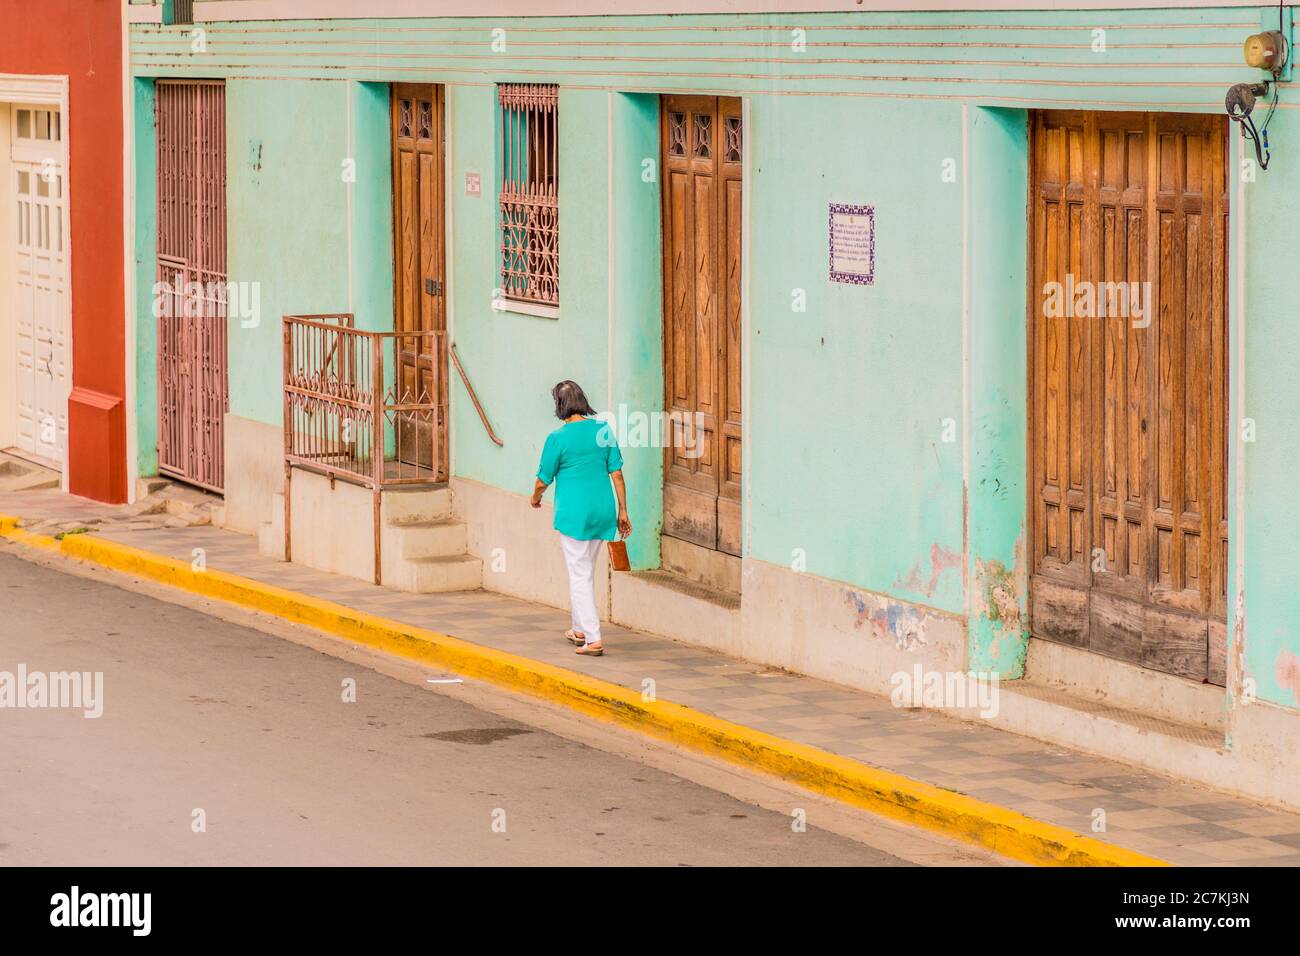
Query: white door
point(40, 293)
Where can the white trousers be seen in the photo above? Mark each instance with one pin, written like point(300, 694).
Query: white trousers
point(580, 557)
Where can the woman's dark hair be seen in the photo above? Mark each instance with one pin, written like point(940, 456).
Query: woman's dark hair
point(570, 400)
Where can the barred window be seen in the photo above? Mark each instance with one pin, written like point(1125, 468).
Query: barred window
point(182, 11)
point(530, 213)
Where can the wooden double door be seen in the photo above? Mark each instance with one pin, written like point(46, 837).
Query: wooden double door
point(702, 163)
point(1129, 376)
point(420, 288)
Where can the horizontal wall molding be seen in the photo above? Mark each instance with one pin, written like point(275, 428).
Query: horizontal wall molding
point(1179, 58)
point(211, 10)
point(33, 89)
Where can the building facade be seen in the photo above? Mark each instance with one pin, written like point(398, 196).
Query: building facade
point(965, 330)
point(63, 383)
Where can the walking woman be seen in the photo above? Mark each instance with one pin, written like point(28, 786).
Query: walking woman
point(582, 455)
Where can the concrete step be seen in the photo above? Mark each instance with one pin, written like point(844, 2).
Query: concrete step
point(670, 605)
point(440, 538)
point(714, 569)
point(406, 507)
point(460, 572)
point(19, 475)
point(144, 487)
point(1060, 710)
point(1180, 749)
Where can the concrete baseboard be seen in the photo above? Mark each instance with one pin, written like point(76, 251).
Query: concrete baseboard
point(828, 629)
point(254, 471)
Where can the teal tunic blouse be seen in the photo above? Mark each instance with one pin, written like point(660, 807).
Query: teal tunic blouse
point(580, 456)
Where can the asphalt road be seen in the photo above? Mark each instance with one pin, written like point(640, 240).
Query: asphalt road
point(221, 744)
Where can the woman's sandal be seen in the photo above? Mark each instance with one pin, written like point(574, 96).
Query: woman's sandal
point(591, 650)
point(573, 637)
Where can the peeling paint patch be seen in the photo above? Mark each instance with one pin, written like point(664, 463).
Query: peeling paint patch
point(901, 623)
point(941, 559)
point(1001, 603)
point(1287, 671)
point(998, 612)
point(1237, 657)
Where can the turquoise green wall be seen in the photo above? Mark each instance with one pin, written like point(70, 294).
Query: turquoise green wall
point(287, 220)
point(849, 465)
point(146, 255)
point(998, 192)
point(1272, 395)
point(638, 305)
point(848, 462)
point(372, 207)
point(514, 359)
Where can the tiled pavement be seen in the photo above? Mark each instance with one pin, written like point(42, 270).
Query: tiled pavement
point(1181, 823)
point(50, 511)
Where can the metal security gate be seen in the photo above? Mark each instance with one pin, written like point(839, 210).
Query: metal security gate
point(190, 300)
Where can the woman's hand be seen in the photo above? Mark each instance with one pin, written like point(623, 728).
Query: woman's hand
point(620, 491)
point(539, 489)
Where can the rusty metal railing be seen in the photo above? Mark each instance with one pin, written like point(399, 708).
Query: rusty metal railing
point(363, 407)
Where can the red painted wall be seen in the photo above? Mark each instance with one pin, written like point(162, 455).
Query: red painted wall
point(83, 40)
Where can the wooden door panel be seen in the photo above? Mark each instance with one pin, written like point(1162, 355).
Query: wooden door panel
point(1115, 625)
point(702, 162)
point(730, 332)
point(420, 266)
point(1058, 612)
point(690, 515)
point(1119, 373)
point(1175, 643)
point(406, 242)
point(1216, 670)
point(1128, 412)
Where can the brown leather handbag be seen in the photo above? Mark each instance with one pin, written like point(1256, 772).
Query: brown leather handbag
point(618, 556)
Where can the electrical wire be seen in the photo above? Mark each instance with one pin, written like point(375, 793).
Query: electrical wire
point(1258, 136)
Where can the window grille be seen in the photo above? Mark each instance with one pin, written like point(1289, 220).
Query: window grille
point(530, 222)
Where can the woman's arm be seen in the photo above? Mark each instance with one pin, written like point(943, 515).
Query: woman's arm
point(620, 489)
point(539, 489)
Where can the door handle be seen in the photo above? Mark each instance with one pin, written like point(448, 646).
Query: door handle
point(432, 286)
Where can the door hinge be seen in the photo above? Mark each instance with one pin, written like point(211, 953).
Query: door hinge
point(433, 286)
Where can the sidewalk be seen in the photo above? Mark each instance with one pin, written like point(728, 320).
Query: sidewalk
point(1179, 823)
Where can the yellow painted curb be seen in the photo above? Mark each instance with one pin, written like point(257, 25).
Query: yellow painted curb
point(880, 791)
